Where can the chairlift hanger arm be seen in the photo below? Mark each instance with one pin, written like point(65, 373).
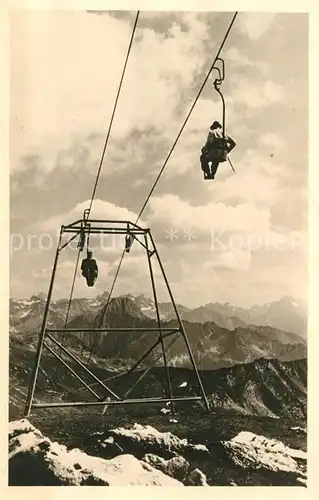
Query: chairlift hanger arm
point(188, 115)
point(217, 83)
point(221, 72)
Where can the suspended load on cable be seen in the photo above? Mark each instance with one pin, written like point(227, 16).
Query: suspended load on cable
point(216, 149)
point(128, 242)
point(89, 269)
point(89, 266)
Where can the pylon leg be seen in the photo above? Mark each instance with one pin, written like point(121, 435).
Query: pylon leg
point(169, 385)
point(45, 332)
point(205, 400)
point(35, 371)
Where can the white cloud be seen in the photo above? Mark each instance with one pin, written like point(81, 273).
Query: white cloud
point(266, 167)
point(231, 259)
point(139, 183)
point(103, 210)
point(239, 59)
point(66, 267)
point(19, 287)
point(64, 277)
point(255, 25)
point(257, 96)
point(63, 97)
point(256, 182)
point(69, 87)
point(165, 212)
point(183, 162)
point(171, 211)
point(271, 140)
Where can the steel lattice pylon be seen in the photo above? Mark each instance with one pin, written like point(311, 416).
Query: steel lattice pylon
point(83, 228)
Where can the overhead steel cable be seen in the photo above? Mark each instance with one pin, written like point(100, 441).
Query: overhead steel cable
point(188, 115)
point(101, 163)
point(113, 113)
point(170, 153)
point(104, 151)
point(104, 310)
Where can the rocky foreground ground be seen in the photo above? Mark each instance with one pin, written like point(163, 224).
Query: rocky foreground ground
point(138, 454)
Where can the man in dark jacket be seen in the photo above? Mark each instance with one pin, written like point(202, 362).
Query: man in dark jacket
point(216, 149)
point(89, 269)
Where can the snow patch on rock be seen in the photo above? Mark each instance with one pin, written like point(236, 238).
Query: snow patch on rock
point(18, 427)
point(35, 460)
point(148, 436)
point(299, 429)
point(250, 450)
point(165, 411)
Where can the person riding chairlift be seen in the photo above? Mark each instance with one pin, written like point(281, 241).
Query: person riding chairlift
point(89, 269)
point(216, 149)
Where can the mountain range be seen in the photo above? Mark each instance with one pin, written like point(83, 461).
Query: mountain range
point(213, 346)
point(266, 387)
point(254, 376)
point(253, 368)
point(285, 314)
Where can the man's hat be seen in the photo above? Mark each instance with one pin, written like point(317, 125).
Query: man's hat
point(215, 124)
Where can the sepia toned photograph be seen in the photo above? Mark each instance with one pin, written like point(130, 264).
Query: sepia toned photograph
point(158, 303)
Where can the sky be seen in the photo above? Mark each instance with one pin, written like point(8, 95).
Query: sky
point(241, 238)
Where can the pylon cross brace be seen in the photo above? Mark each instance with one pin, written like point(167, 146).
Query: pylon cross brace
point(48, 341)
